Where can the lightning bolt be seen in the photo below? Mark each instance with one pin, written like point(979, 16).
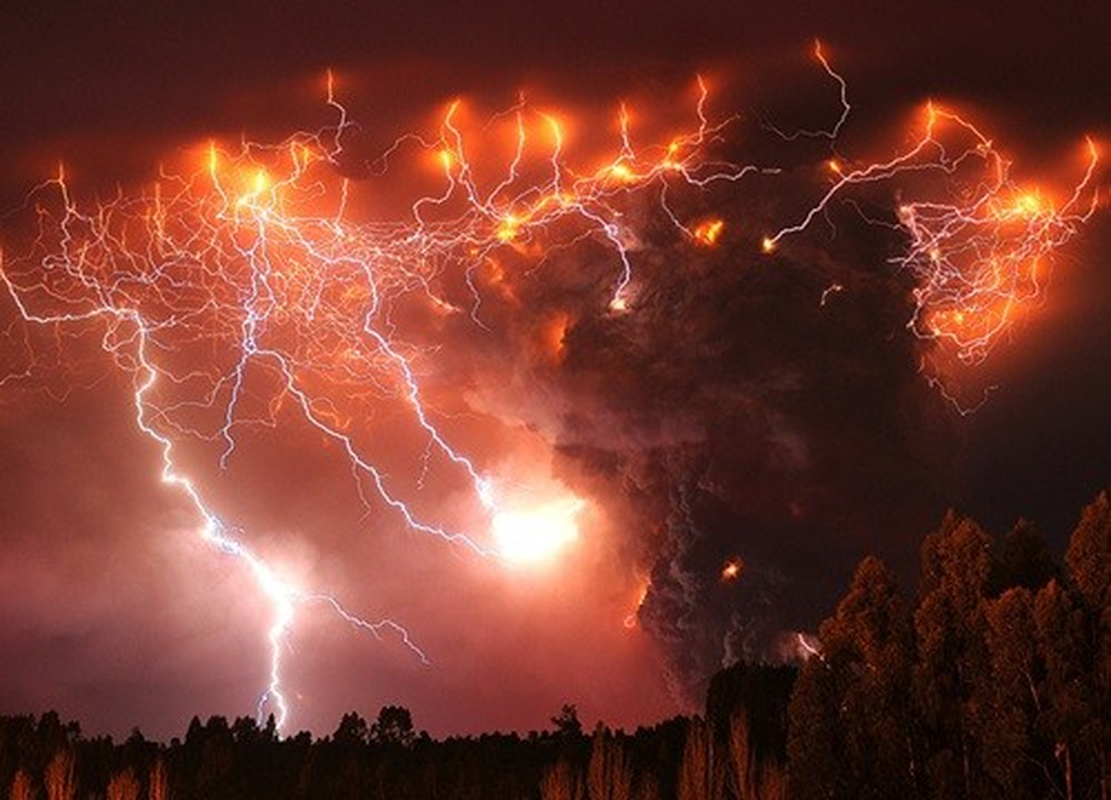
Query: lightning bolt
point(248, 277)
point(239, 261)
point(979, 242)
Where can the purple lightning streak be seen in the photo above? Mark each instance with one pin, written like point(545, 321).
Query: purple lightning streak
point(520, 214)
point(978, 241)
point(846, 109)
point(251, 270)
point(209, 279)
point(282, 595)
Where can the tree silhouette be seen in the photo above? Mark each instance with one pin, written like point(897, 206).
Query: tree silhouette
point(22, 789)
point(562, 782)
point(702, 772)
point(123, 786)
point(1088, 559)
point(952, 655)
point(758, 695)
point(1088, 553)
point(851, 731)
point(394, 726)
point(608, 773)
point(59, 778)
point(352, 730)
point(1011, 755)
point(1070, 696)
point(567, 724)
point(993, 683)
point(1023, 560)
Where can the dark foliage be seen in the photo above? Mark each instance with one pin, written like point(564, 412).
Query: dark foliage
point(993, 683)
point(760, 694)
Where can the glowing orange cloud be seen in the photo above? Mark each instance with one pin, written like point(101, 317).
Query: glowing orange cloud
point(244, 290)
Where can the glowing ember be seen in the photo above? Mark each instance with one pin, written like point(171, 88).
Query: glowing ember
point(707, 233)
point(732, 570)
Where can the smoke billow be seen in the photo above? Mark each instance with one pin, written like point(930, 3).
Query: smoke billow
point(737, 412)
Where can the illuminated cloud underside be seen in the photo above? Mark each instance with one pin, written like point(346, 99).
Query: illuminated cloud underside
point(250, 287)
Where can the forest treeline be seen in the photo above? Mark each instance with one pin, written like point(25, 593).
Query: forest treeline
point(990, 682)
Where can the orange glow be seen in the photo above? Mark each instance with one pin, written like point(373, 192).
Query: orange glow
point(622, 173)
point(213, 161)
point(256, 185)
point(1024, 205)
point(630, 621)
point(931, 116)
point(971, 327)
point(557, 130)
point(1028, 204)
point(732, 570)
point(978, 255)
point(301, 155)
point(248, 274)
point(707, 233)
point(507, 230)
point(551, 336)
point(978, 258)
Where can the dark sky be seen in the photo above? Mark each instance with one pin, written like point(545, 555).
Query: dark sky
point(728, 416)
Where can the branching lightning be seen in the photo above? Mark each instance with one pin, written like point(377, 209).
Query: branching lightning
point(979, 242)
point(247, 273)
point(246, 289)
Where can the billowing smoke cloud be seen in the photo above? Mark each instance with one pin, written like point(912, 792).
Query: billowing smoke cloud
point(739, 412)
point(729, 417)
point(746, 424)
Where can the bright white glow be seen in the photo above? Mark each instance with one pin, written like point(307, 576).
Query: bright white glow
point(538, 534)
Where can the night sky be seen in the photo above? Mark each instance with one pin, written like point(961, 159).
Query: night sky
point(727, 417)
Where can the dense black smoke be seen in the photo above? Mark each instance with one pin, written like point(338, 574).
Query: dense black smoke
point(739, 411)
